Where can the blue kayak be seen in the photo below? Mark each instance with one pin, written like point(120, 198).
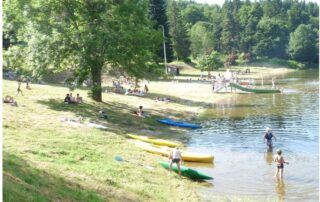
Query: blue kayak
point(179, 124)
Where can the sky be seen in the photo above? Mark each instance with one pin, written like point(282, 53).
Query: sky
point(220, 2)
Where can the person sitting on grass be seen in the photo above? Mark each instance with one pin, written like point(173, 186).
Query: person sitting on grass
point(10, 100)
point(175, 157)
point(79, 99)
point(103, 114)
point(67, 99)
point(140, 112)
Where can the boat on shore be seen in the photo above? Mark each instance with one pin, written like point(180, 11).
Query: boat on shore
point(187, 172)
point(155, 141)
point(178, 123)
point(165, 151)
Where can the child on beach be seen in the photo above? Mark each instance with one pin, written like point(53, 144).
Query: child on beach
point(280, 163)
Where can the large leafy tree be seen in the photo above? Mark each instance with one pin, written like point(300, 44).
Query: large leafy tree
point(272, 38)
point(201, 39)
point(158, 14)
point(210, 61)
point(84, 36)
point(178, 31)
point(303, 45)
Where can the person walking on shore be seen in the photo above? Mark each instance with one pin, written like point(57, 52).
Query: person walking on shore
point(175, 157)
point(19, 86)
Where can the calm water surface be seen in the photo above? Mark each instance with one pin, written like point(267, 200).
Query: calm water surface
point(233, 133)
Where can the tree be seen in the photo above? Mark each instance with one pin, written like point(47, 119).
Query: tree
point(192, 14)
point(158, 14)
point(230, 27)
point(180, 39)
point(249, 16)
point(84, 37)
point(210, 62)
point(296, 16)
point(303, 44)
point(272, 38)
point(201, 39)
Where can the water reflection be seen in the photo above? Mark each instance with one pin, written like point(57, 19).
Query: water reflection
point(280, 189)
point(269, 156)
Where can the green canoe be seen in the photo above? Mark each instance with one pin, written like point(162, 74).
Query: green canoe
point(253, 90)
point(187, 172)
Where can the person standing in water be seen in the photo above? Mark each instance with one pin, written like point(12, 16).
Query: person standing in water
point(278, 158)
point(267, 138)
point(175, 157)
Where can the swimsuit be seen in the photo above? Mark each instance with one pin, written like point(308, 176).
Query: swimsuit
point(175, 160)
point(280, 166)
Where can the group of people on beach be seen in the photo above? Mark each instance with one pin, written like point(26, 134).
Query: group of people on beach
point(130, 89)
point(222, 81)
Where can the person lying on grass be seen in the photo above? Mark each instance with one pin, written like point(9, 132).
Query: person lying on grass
point(164, 99)
point(8, 99)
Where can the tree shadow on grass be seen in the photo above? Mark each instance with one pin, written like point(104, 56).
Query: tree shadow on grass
point(23, 182)
point(121, 119)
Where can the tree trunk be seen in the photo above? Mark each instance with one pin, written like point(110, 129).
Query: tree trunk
point(96, 80)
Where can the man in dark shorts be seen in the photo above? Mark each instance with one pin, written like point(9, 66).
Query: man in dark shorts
point(175, 157)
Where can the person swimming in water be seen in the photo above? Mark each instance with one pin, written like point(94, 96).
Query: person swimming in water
point(267, 138)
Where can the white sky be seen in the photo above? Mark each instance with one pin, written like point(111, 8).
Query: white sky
point(220, 2)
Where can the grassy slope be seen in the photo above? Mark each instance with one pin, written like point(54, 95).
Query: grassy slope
point(44, 159)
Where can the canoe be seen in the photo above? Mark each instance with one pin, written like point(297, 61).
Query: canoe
point(254, 90)
point(155, 141)
point(179, 124)
point(187, 172)
point(165, 151)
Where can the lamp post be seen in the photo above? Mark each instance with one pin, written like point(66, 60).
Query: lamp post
point(164, 50)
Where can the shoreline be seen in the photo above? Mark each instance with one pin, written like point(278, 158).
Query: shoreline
point(84, 157)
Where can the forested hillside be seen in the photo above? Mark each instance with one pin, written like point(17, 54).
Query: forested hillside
point(268, 28)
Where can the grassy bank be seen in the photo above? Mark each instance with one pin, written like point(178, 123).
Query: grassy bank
point(45, 159)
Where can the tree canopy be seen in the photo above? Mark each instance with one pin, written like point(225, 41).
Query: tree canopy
point(82, 36)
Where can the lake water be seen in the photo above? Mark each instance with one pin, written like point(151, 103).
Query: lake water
point(233, 132)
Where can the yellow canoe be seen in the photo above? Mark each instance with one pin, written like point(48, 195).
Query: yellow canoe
point(165, 151)
point(155, 141)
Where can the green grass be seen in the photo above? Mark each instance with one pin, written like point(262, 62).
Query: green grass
point(46, 160)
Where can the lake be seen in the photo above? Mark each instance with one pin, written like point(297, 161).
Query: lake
point(233, 132)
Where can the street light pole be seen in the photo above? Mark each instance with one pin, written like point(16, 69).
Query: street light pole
point(164, 49)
